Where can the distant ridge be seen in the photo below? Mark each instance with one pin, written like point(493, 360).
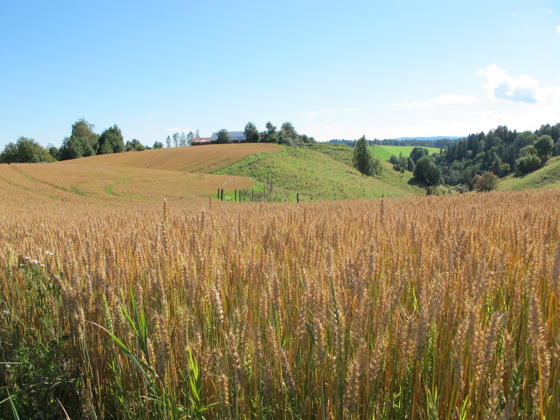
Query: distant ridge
point(434, 138)
point(429, 138)
point(440, 142)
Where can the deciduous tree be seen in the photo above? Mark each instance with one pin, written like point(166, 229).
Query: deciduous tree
point(111, 141)
point(427, 171)
point(485, 182)
point(25, 150)
point(223, 136)
point(252, 135)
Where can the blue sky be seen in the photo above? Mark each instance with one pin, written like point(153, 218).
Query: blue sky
point(334, 69)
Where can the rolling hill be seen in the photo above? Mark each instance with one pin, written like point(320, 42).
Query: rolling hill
point(45, 184)
point(317, 172)
point(200, 159)
point(321, 172)
point(546, 177)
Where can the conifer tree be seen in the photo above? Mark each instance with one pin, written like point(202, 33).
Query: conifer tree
point(363, 159)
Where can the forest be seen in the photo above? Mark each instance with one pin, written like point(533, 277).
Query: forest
point(500, 151)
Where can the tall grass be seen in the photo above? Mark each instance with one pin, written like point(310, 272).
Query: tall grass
point(433, 307)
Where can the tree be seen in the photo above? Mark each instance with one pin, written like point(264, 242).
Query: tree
point(363, 160)
point(288, 134)
point(410, 164)
point(75, 147)
point(176, 139)
point(544, 147)
point(252, 135)
point(25, 150)
point(505, 169)
point(190, 137)
point(83, 130)
point(157, 145)
point(82, 142)
point(168, 141)
point(110, 141)
point(134, 146)
point(417, 153)
point(270, 135)
point(485, 182)
point(304, 138)
point(526, 138)
point(223, 136)
point(528, 163)
point(53, 150)
point(183, 139)
point(427, 171)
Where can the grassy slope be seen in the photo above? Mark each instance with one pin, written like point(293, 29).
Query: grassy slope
point(385, 152)
point(547, 177)
point(321, 173)
point(406, 150)
point(380, 152)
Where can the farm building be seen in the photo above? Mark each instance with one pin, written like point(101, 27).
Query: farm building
point(202, 140)
point(234, 137)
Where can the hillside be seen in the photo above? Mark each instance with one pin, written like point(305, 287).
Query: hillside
point(547, 177)
point(44, 184)
point(318, 172)
point(200, 159)
point(321, 172)
point(385, 152)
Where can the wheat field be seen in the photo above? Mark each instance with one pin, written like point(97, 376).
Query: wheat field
point(200, 159)
point(424, 308)
point(55, 187)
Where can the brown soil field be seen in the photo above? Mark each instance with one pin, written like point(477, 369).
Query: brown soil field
point(200, 159)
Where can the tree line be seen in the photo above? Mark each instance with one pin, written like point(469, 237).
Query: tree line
point(287, 135)
point(479, 160)
point(500, 151)
point(472, 163)
point(82, 142)
point(438, 143)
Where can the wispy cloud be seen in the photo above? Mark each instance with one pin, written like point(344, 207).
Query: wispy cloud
point(447, 99)
point(558, 29)
point(329, 112)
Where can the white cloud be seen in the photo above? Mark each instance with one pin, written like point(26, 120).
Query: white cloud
point(501, 85)
point(522, 89)
point(447, 99)
point(558, 29)
point(329, 112)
